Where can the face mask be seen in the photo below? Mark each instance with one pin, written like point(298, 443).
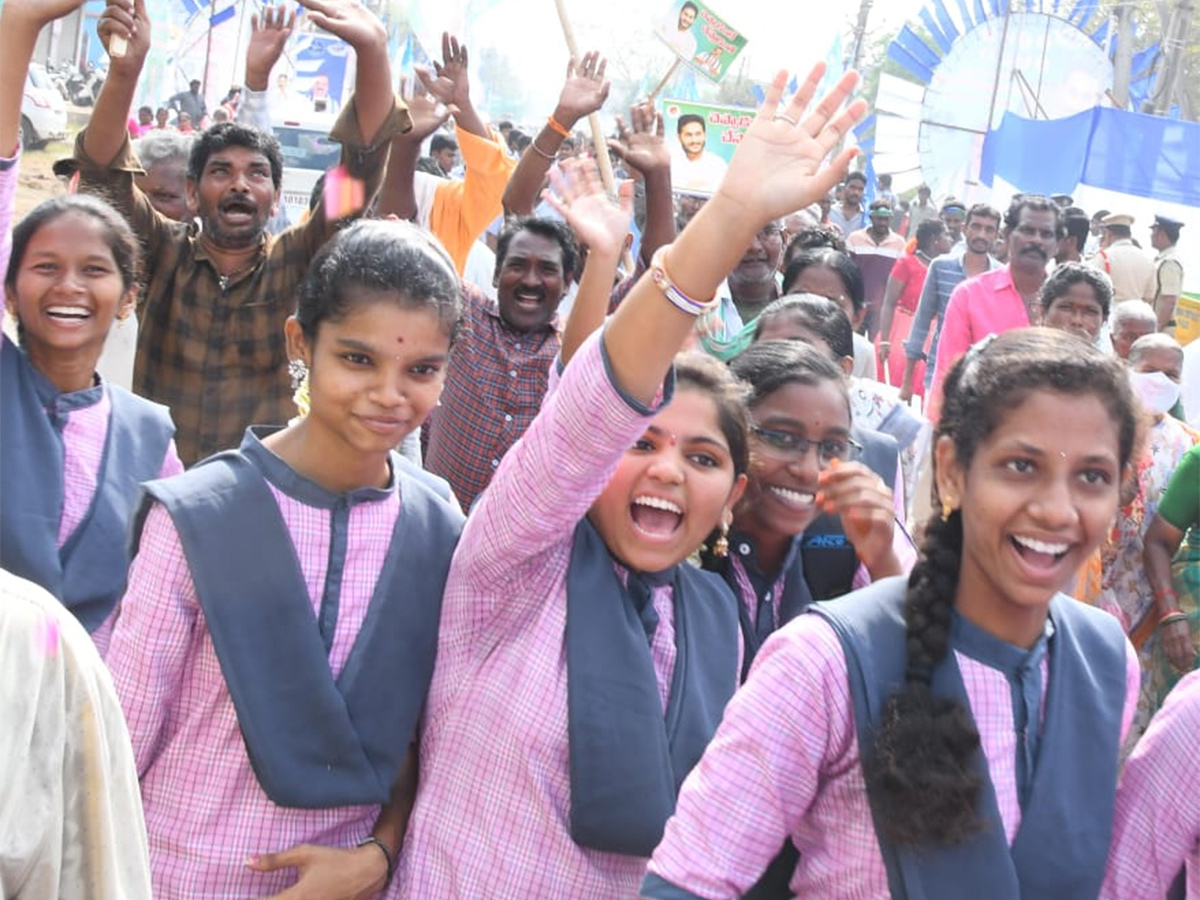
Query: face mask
point(1157, 392)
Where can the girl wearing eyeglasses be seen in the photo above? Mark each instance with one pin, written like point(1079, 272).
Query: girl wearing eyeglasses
point(803, 462)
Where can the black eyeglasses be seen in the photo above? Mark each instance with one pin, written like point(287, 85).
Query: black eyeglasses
point(789, 447)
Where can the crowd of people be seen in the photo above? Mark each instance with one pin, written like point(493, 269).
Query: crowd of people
point(496, 532)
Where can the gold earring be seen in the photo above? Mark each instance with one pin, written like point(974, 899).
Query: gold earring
point(720, 546)
point(947, 508)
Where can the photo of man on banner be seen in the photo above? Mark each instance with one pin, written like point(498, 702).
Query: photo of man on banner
point(706, 138)
point(700, 38)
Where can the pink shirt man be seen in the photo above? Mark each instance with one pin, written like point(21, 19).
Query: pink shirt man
point(983, 305)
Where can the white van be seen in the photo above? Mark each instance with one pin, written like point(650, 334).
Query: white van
point(307, 154)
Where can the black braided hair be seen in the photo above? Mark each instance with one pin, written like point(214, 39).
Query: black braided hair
point(918, 772)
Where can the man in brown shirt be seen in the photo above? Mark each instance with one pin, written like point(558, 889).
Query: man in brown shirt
point(216, 294)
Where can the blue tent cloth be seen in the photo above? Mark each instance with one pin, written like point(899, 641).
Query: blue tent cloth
point(1131, 153)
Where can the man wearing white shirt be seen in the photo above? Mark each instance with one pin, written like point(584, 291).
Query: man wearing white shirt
point(695, 169)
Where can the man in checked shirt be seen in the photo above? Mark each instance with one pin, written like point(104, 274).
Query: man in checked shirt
point(500, 365)
point(210, 344)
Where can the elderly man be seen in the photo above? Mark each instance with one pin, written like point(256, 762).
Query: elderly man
point(1168, 268)
point(1131, 320)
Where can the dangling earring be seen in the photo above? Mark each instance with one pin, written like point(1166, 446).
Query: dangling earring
point(720, 547)
point(298, 371)
point(947, 508)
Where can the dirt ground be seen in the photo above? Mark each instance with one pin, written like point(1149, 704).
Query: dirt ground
point(36, 182)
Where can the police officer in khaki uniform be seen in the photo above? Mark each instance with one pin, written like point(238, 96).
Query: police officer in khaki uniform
point(1168, 268)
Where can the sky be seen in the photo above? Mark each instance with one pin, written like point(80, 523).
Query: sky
point(781, 35)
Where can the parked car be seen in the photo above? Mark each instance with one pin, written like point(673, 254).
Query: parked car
point(43, 111)
point(307, 154)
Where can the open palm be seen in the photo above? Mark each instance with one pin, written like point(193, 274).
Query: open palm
point(777, 167)
point(579, 196)
point(642, 147)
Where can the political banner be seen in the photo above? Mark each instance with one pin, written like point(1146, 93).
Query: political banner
point(701, 38)
point(705, 137)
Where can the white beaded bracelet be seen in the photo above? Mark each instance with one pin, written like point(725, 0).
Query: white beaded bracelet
point(664, 282)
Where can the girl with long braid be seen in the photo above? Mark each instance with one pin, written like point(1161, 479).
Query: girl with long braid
point(956, 734)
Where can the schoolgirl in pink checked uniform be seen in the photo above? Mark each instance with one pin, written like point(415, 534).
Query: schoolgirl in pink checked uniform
point(527, 732)
point(72, 448)
point(1156, 837)
point(275, 646)
point(956, 735)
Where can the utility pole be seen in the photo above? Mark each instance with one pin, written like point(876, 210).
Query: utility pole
point(1123, 60)
point(860, 32)
point(1174, 44)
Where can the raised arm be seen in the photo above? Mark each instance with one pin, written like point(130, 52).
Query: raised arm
point(448, 83)
point(269, 34)
point(643, 149)
point(362, 30)
point(20, 22)
point(397, 197)
point(584, 92)
point(777, 168)
point(106, 134)
point(579, 197)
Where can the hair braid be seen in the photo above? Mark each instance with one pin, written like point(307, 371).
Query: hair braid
point(919, 773)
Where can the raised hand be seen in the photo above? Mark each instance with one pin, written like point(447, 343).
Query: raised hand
point(584, 91)
point(427, 114)
point(643, 147)
point(777, 167)
point(130, 21)
point(349, 20)
point(447, 81)
point(865, 505)
point(578, 195)
point(268, 36)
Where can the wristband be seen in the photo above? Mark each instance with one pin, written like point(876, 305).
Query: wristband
point(663, 281)
point(387, 854)
point(558, 126)
point(1165, 592)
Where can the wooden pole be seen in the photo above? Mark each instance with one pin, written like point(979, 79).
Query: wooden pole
point(665, 79)
point(602, 160)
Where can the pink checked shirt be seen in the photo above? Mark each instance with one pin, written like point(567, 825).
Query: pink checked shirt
point(84, 437)
point(1157, 826)
point(205, 811)
point(492, 815)
point(785, 763)
point(8, 198)
point(983, 305)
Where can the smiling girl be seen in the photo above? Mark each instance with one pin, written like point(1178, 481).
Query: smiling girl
point(802, 460)
point(956, 735)
point(277, 639)
point(583, 664)
point(73, 448)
